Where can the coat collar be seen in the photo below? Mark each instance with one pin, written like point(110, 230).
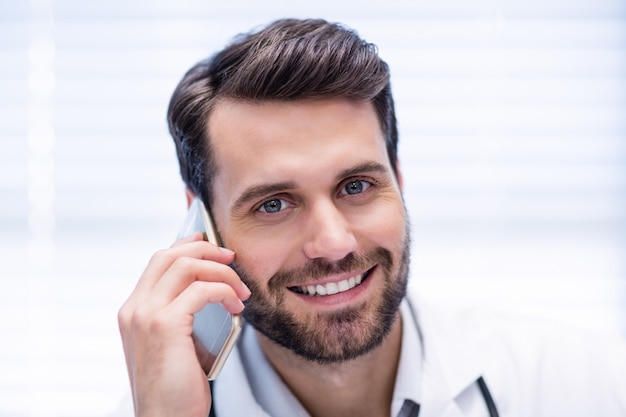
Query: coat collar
point(453, 349)
point(452, 362)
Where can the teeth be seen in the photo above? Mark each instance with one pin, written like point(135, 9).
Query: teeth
point(321, 290)
point(332, 287)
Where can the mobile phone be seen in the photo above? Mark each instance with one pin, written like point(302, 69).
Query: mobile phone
point(215, 330)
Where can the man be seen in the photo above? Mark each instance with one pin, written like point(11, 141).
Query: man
point(289, 137)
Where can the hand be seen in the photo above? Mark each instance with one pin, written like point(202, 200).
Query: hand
point(156, 324)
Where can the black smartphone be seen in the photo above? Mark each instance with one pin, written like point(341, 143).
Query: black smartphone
point(215, 330)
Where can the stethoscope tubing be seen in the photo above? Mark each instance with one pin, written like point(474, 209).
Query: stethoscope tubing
point(482, 385)
point(491, 405)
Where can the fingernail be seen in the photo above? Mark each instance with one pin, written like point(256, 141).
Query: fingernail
point(245, 288)
point(227, 251)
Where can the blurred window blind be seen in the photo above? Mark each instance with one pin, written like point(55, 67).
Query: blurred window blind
point(512, 121)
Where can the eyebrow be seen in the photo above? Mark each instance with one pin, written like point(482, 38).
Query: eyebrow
point(256, 192)
point(362, 168)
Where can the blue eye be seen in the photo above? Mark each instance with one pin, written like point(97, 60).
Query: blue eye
point(353, 187)
point(272, 206)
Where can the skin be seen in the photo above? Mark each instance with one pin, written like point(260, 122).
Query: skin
point(304, 159)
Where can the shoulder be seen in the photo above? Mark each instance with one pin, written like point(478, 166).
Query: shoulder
point(513, 333)
point(532, 364)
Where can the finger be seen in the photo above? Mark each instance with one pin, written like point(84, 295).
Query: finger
point(196, 236)
point(184, 271)
point(162, 260)
point(200, 293)
point(174, 320)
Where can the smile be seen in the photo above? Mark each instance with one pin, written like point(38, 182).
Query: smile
point(331, 288)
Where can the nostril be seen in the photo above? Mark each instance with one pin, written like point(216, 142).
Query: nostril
point(333, 246)
point(330, 233)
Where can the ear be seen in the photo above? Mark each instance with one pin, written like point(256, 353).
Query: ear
point(190, 196)
point(400, 181)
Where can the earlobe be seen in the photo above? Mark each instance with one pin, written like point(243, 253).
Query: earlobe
point(190, 196)
point(399, 175)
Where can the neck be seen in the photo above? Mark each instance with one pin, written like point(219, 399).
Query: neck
point(363, 386)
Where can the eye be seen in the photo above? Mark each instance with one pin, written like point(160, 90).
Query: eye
point(353, 187)
point(273, 205)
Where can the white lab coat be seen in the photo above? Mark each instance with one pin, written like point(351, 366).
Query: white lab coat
point(532, 368)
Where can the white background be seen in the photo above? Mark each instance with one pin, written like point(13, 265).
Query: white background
point(512, 120)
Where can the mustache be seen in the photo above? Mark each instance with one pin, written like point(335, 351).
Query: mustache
point(319, 268)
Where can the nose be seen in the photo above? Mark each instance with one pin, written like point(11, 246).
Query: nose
point(329, 234)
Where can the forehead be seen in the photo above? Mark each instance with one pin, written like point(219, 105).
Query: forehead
point(270, 141)
point(235, 125)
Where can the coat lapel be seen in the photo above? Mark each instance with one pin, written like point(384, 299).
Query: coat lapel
point(452, 358)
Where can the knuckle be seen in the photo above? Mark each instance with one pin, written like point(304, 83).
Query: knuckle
point(140, 316)
point(124, 316)
point(162, 255)
point(184, 263)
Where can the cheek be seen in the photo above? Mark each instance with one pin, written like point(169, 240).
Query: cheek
point(392, 236)
point(260, 260)
point(384, 225)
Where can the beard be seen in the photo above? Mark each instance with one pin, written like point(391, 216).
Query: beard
point(330, 337)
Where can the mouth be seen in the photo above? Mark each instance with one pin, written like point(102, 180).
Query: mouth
point(331, 288)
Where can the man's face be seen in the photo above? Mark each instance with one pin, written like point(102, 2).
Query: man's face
point(306, 197)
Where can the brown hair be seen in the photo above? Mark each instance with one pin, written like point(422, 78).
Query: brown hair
point(288, 60)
